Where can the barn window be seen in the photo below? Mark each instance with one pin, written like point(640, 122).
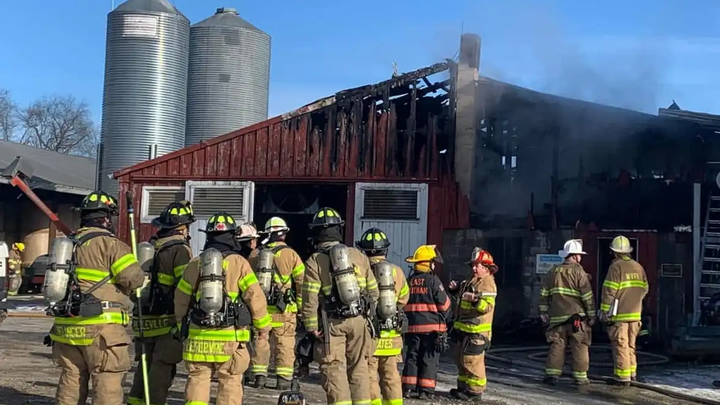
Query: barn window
point(233, 197)
point(156, 198)
point(390, 204)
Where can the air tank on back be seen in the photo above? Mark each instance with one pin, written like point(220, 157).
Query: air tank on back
point(229, 76)
point(145, 92)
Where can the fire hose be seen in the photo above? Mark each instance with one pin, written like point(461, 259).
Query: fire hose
point(495, 355)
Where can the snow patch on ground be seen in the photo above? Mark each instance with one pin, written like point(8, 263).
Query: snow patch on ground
point(691, 380)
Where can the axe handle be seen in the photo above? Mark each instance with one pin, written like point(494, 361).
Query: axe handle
point(19, 183)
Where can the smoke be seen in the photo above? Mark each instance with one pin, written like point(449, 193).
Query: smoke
point(532, 45)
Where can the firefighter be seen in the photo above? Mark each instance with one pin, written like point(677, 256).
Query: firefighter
point(91, 308)
point(248, 237)
point(218, 299)
point(339, 286)
point(567, 310)
point(15, 267)
point(171, 253)
point(623, 291)
point(428, 313)
point(280, 272)
point(385, 382)
point(472, 326)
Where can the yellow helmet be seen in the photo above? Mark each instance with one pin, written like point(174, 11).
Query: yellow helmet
point(621, 244)
point(425, 253)
point(19, 246)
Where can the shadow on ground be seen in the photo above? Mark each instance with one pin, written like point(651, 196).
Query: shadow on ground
point(11, 396)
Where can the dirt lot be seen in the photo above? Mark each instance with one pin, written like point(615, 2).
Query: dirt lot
point(27, 376)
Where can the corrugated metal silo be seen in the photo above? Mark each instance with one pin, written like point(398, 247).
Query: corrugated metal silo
point(145, 93)
point(229, 76)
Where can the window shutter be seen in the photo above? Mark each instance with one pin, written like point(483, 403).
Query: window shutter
point(210, 200)
point(159, 199)
point(390, 204)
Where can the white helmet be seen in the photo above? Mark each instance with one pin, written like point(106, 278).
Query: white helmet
point(572, 247)
point(247, 232)
point(276, 224)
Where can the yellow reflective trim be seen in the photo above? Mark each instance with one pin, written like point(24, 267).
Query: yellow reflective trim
point(229, 335)
point(122, 263)
point(405, 290)
point(247, 281)
point(605, 307)
point(467, 328)
point(178, 270)
point(262, 322)
point(185, 287)
point(166, 279)
point(120, 318)
point(92, 275)
point(298, 270)
point(73, 342)
point(611, 285)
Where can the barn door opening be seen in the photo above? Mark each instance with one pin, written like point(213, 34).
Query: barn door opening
point(399, 209)
point(208, 197)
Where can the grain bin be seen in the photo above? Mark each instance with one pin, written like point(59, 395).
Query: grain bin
point(229, 76)
point(145, 92)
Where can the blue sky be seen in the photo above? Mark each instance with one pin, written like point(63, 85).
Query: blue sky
point(639, 54)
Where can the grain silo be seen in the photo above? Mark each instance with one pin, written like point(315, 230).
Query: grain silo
point(145, 92)
point(229, 76)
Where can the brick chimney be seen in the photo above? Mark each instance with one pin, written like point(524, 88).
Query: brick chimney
point(468, 111)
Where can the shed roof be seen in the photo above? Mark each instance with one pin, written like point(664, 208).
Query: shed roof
point(52, 170)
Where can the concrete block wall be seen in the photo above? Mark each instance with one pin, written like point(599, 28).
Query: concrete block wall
point(522, 298)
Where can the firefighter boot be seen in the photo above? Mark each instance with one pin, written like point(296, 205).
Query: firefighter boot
point(282, 384)
point(259, 381)
point(464, 395)
point(552, 381)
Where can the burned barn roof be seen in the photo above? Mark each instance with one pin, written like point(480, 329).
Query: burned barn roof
point(704, 120)
point(392, 129)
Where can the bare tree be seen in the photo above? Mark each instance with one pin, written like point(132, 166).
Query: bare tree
point(59, 123)
point(8, 121)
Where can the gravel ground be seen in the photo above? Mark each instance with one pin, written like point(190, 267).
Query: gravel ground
point(28, 376)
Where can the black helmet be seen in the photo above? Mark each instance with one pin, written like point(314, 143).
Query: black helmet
point(175, 214)
point(221, 222)
point(326, 217)
point(373, 241)
point(100, 201)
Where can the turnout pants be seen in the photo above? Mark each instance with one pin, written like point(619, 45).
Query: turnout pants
point(106, 360)
point(560, 337)
point(163, 354)
point(421, 362)
point(471, 366)
point(229, 375)
point(622, 339)
point(283, 334)
point(387, 389)
point(344, 369)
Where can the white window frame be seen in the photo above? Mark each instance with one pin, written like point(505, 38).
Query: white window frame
point(248, 186)
point(145, 217)
point(419, 188)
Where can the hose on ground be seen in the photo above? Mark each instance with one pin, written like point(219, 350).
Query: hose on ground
point(492, 356)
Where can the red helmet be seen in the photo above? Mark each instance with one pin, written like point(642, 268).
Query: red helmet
point(483, 257)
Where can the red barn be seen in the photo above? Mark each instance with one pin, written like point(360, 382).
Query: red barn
point(382, 155)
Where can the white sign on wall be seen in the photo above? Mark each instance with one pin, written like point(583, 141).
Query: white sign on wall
point(545, 262)
point(138, 25)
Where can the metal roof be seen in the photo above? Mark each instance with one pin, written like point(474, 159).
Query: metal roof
point(226, 17)
point(158, 6)
point(52, 170)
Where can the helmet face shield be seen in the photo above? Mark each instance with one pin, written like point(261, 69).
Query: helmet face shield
point(438, 257)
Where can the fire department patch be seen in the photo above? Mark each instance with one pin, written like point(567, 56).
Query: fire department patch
point(220, 227)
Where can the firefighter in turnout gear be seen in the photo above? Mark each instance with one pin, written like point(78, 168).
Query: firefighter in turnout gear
point(385, 382)
point(15, 268)
point(87, 284)
point(216, 301)
point(623, 291)
point(428, 313)
point(165, 261)
point(340, 287)
point(472, 328)
point(280, 273)
point(567, 310)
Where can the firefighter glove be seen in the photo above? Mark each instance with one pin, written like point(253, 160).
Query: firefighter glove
point(47, 341)
point(442, 343)
point(591, 321)
point(603, 316)
point(545, 319)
